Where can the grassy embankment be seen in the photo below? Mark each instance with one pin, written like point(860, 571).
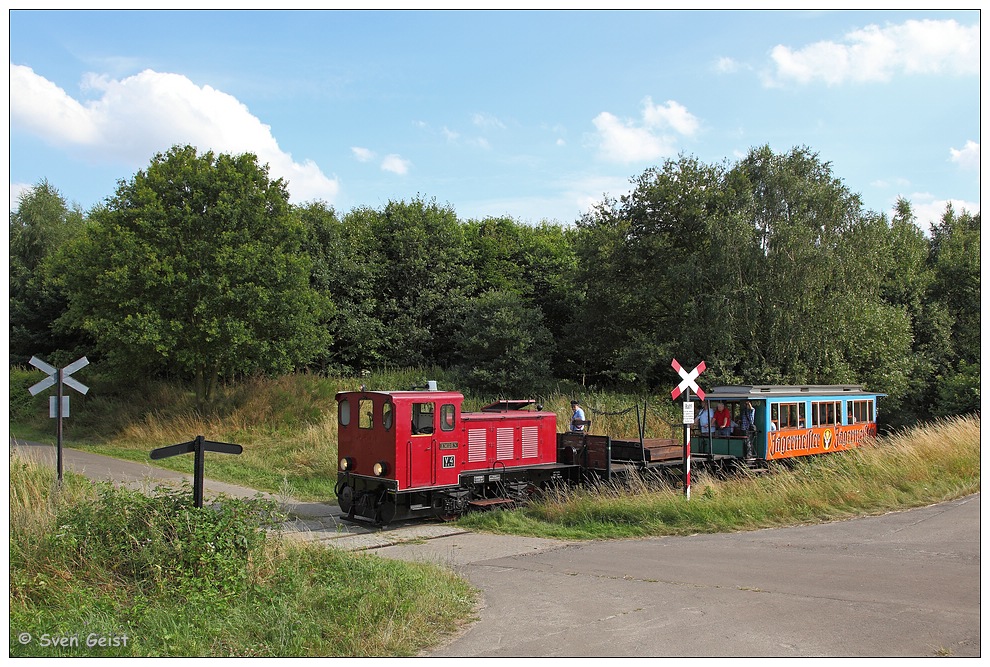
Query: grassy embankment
point(920, 466)
point(155, 576)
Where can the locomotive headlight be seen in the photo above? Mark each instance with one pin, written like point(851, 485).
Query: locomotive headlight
point(346, 463)
point(380, 468)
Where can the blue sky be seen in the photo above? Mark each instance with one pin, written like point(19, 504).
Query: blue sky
point(529, 114)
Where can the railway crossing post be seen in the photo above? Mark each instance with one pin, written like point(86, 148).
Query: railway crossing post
point(58, 404)
point(687, 384)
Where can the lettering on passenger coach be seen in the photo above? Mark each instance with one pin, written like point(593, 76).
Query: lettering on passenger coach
point(781, 444)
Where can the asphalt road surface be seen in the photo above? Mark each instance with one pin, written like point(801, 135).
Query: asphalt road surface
point(905, 584)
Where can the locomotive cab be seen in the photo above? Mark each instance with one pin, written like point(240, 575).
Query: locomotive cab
point(391, 443)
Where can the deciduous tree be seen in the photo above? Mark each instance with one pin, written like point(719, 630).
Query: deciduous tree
point(194, 268)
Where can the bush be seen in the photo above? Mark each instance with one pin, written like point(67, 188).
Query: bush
point(156, 542)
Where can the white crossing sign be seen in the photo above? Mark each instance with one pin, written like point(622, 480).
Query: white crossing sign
point(688, 381)
point(53, 375)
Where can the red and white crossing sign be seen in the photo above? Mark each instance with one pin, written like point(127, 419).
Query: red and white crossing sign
point(689, 380)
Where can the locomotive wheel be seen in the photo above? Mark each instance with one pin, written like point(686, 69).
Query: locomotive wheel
point(386, 512)
point(441, 512)
point(447, 517)
point(346, 500)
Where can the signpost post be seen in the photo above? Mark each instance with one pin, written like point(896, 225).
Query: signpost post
point(59, 406)
point(687, 384)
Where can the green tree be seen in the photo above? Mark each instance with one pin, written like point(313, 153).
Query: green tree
point(425, 282)
point(768, 270)
point(194, 267)
point(346, 269)
point(659, 268)
point(536, 263)
point(503, 345)
point(955, 292)
point(40, 227)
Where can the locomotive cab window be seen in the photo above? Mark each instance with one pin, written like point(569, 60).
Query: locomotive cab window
point(447, 417)
point(345, 412)
point(422, 418)
point(366, 415)
point(388, 414)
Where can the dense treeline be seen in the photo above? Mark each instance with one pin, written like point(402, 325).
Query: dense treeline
point(198, 268)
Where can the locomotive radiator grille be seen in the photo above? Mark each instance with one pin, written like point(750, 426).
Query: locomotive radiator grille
point(476, 445)
point(530, 442)
point(503, 443)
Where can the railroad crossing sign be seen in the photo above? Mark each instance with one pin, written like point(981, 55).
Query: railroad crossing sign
point(199, 446)
point(689, 380)
point(55, 375)
point(58, 406)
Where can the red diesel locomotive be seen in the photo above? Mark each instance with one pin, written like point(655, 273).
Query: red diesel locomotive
point(414, 453)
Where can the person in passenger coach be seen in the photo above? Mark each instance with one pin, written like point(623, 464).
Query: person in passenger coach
point(705, 419)
point(748, 417)
point(723, 421)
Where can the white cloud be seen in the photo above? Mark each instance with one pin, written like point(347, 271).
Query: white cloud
point(877, 53)
point(134, 118)
point(726, 65)
point(654, 137)
point(968, 157)
point(487, 120)
point(395, 164)
point(363, 154)
point(928, 210)
point(673, 115)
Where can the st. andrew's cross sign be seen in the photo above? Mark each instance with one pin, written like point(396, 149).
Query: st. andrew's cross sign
point(688, 381)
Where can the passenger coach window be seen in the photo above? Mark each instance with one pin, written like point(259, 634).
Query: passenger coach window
point(447, 417)
point(345, 412)
point(826, 413)
point(422, 418)
point(788, 415)
point(366, 416)
point(860, 411)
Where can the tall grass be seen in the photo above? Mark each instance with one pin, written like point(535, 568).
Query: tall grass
point(917, 467)
point(174, 580)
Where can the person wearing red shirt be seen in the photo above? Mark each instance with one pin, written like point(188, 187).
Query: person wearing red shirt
point(723, 421)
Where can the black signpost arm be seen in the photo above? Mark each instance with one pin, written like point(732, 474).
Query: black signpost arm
point(198, 447)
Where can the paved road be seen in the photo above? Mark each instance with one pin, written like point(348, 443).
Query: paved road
point(902, 584)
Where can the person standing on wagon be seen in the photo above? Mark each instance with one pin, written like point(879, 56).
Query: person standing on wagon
point(723, 421)
point(577, 418)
